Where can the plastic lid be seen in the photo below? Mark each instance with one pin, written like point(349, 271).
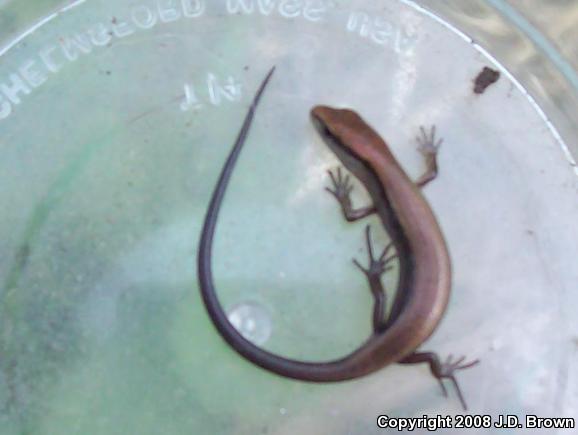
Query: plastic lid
point(115, 120)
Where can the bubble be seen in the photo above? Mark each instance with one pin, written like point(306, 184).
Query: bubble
point(252, 320)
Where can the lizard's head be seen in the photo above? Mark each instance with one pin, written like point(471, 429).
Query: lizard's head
point(345, 132)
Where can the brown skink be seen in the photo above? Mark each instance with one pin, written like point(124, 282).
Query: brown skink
point(424, 264)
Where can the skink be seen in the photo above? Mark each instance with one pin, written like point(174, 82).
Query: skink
point(424, 264)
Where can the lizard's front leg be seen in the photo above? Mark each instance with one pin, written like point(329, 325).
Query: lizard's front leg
point(428, 147)
point(341, 190)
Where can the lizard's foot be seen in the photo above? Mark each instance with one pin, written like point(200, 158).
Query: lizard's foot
point(341, 190)
point(427, 141)
point(377, 266)
point(442, 370)
point(447, 370)
point(342, 187)
point(428, 147)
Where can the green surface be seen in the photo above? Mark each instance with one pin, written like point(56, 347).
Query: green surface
point(107, 180)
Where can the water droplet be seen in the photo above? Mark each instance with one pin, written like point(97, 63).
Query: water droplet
point(253, 322)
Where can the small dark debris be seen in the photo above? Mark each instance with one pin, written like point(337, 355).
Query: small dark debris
point(108, 72)
point(485, 79)
point(114, 20)
point(246, 68)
